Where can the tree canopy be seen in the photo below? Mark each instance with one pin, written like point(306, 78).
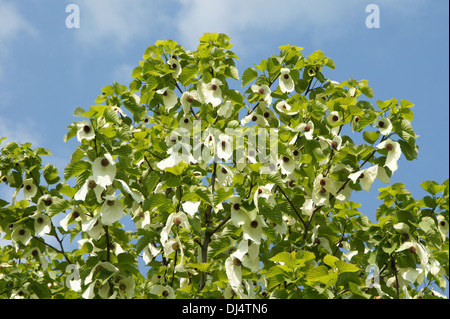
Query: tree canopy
point(199, 181)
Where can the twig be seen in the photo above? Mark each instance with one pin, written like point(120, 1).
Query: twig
point(107, 243)
point(396, 277)
point(293, 207)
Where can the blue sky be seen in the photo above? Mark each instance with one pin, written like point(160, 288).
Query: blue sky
point(47, 69)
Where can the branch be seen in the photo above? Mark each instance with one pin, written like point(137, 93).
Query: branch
point(220, 225)
point(396, 277)
point(342, 238)
point(309, 86)
point(54, 248)
point(107, 242)
point(292, 205)
point(208, 234)
point(309, 221)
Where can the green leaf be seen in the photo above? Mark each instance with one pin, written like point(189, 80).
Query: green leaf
point(58, 206)
point(367, 91)
point(222, 194)
point(51, 174)
point(371, 137)
point(410, 152)
point(199, 266)
point(432, 187)
point(111, 116)
point(218, 246)
point(158, 200)
point(76, 168)
point(274, 214)
point(187, 73)
point(141, 244)
point(285, 258)
point(345, 267)
point(249, 75)
point(205, 195)
point(330, 260)
point(151, 181)
point(40, 289)
point(177, 169)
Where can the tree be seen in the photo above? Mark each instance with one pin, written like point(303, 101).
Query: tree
point(224, 194)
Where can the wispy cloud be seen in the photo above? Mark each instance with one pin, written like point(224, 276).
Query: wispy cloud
point(259, 21)
point(22, 130)
point(12, 25)
point(117, 23)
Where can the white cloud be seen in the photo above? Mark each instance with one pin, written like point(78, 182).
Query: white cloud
point(116, 23)
point(12, 25)
point(258, 21)
point(21, 130)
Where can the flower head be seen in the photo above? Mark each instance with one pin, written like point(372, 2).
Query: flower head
point(187, 98)
point(224, 147)
point(85, 131)
point(248, 254)
point(179, 219)
point(29, 189)
point(104, 170)
point(384, 125)
point(286, 81)
point(233, 270)
point(20, 233)
point(252, 229)
point(112, 210)
point(76, 214)
point(393, 153)
point(42, 224)
point(90, 184)
point(150, 252)
point(169, 98)
point(287, 165)
point(366, 177)
point(285, 108)
point(264, 90)
point(125, 285)
point(175, 65)
point(212, 92)
point(442, 226)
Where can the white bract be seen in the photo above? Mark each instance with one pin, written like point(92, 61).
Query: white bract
point(384, 125)
point(286, 81)
point(175, 66)
point(187, 98)
point(264, 90)
point(42, 223)
point(366, 177)
point(112, 210)
point(76, 215)
point(169, 98)
point(212, 92)
point(29, 189)
point(393, 153)
point(85, 131)
point(104, 170)
point(179, 219)
point(285, 108)
point(90, 184)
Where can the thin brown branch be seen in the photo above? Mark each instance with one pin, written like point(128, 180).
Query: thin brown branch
point(293, 207)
